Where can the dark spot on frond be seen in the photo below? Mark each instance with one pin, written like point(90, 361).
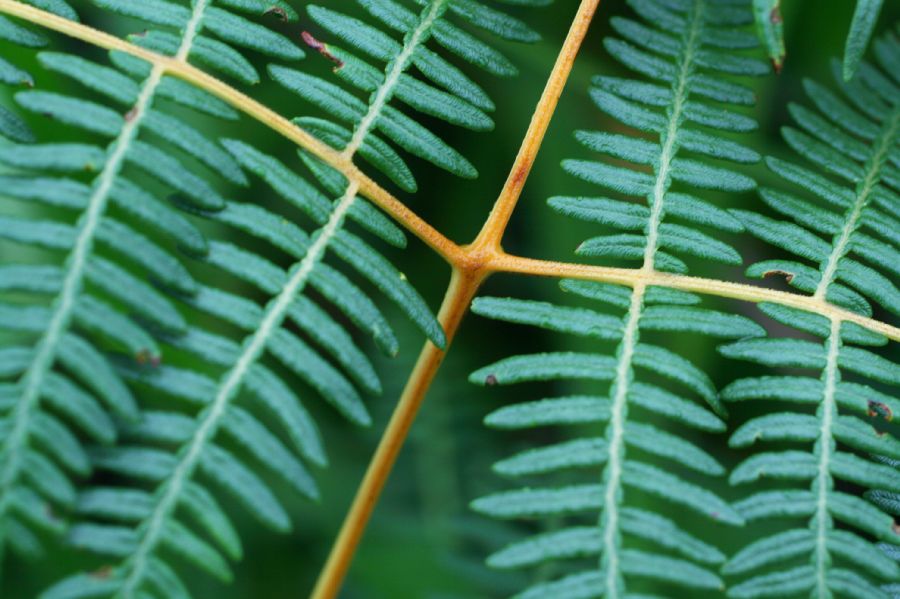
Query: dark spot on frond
point(490, 380)
point(895, 528)
point(775, 15)
point(129, 116)
point(788, 276)
point(277, 10)
point(50, 513)
point(880, 410)
point(321, 48)
point(776, 19)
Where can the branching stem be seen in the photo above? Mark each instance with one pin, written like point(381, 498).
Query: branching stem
point(472, 257)
point(471, 264)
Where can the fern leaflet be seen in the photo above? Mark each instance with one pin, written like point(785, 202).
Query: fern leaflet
point(178, 448)
point(857, 143)
point(68, 363)
point(679, 44)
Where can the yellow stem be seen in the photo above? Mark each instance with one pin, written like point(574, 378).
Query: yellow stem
point(633, 277)
point(464, 258)
point(492, 232)
point(460, 293)
point(471, 264)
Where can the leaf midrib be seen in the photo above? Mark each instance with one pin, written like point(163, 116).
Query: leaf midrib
point(275, 313)
point(831, 373)
point(64, 305)
point(619, 407)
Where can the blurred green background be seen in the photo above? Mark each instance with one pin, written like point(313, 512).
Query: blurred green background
point(423, 541)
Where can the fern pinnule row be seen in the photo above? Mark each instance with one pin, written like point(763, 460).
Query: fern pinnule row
point(186, 448)
point(445, 93)
point(851, 198)
point(101, 302)
point(65, 369)
point(691, 112)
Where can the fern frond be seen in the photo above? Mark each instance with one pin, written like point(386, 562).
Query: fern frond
point(889, 502)
point(82, 305)
point(853, 144)
point(445, 93)
point(12, 126)
point(178, 449)
point(677, 45)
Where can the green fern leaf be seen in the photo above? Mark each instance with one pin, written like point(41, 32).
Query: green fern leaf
point(770, 28)
point(77, 310)
point(178, 446)
point(859, 149)
point(677, 47)
point(864, 18)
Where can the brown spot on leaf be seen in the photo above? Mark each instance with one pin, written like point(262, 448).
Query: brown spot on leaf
point(788, 276)
point(277, 10)
point(50, 513)
point(776, 19)
point(490, 380)
point(129, 116)
point(145, 357)
point(895, 528)
point(880, 410)
point(321, 48)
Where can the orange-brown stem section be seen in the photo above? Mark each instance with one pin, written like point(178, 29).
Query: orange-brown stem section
point(463, 287)
point(491, 233)
point(488, 245)
point(471, 265)
point(503, 262)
